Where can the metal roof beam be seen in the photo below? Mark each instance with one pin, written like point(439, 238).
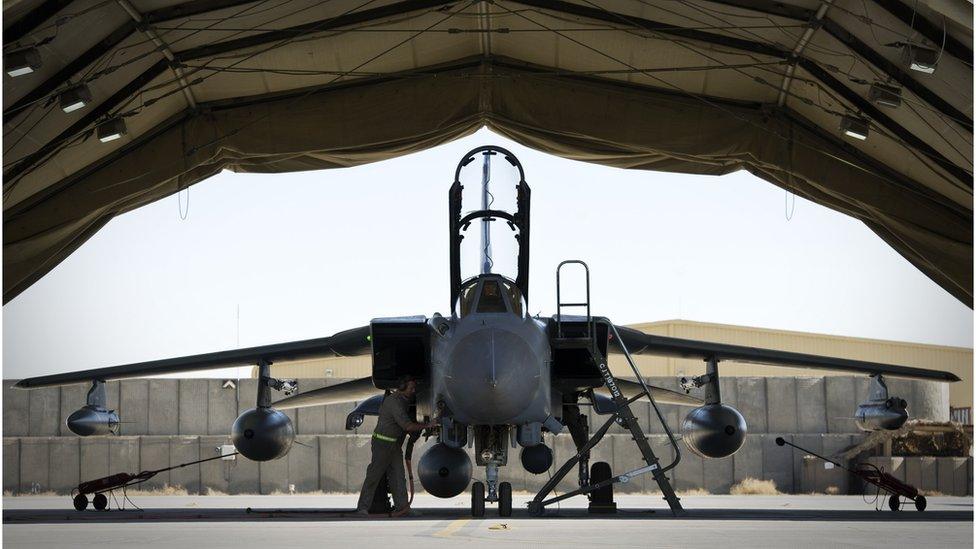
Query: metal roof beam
point(82, 125)
point(855, 99)
point(859, 47)
point(78, 64)
point(934, 33)
point(322, 25)
point(106, 45)
point(104, 108)
point(26, 24)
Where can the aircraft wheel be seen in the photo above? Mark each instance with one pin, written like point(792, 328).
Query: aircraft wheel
point(600, 472)
point(893, 503)
point(920, 503)
point(81, 502)
point(100, 502)
point(535, 509)
point(478, 499)
point(505, 499)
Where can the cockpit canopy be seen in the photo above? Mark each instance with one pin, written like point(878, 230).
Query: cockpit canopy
point(490, 294)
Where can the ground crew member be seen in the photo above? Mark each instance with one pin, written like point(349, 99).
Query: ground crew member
point(392, 425)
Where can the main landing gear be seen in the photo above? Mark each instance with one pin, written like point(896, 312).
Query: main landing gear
point(478, 499)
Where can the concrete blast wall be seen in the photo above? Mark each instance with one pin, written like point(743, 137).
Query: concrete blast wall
point(168, 422)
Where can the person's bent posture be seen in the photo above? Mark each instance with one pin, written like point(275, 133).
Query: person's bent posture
point(392, 425)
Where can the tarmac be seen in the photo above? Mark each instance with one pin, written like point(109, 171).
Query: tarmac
point(641, 521)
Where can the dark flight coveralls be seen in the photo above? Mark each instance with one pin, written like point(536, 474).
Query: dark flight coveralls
point(387, 455)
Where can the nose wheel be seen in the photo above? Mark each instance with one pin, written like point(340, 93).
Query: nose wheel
point(478, 499)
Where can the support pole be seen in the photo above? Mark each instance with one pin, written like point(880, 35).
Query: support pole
point(264, 388)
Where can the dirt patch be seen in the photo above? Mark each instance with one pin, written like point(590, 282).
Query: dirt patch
point(754, 487)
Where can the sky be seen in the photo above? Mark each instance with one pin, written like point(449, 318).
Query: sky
point(264, 258)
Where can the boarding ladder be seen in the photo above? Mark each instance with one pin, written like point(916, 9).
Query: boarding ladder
point(622, 413)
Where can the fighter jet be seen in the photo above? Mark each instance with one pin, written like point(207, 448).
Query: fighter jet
point(493, 376)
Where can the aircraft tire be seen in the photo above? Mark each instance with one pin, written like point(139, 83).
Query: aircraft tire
point(478, 499)
point(80, 502)
point(100, 502)
point(505, 499)
point(893, 503)
point(599, 472)
point(920, 503)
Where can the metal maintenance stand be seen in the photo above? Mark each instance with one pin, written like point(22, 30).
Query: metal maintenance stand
point(622, 414)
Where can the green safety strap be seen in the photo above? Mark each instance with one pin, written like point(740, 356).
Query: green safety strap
point(384, 438)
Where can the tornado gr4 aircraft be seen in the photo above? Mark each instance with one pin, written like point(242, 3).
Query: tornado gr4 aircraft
point(490, 374)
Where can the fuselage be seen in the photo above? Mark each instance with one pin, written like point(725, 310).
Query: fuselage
point(490, 363)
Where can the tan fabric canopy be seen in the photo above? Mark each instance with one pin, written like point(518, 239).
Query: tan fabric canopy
point(690, 86)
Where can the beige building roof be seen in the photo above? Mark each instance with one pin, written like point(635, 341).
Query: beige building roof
point(958, 360)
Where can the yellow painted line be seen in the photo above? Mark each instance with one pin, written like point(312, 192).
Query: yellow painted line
point(452, 528)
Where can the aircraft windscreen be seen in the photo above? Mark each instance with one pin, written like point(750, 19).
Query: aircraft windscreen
point(489, 246)
point(491, 299)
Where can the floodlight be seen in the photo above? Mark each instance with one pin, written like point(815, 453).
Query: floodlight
point(74, 98)
point(920, 58)
point(22, 61)
point(111, 129)
point(885, 95)
point(854, 126)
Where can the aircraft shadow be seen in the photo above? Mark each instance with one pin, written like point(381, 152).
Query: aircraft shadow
point(54, 516)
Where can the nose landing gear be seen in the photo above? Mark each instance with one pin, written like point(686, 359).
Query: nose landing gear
point(479, 498)
point(491, 452)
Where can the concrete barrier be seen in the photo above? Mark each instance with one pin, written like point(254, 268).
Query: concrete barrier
point(781, 409)
point(45, 411)
point(65, 463)
point(194, 407)
point(16, 410)
point(11, 465)
point(164, 407)
point(35, 465)
point(748, 461)
point(804, 476)
point(274, 476)
point(134, 407)
point(952, 476)
point(751, 397)
point(332, 463)
point(311, 420)
point(303, 464)
point(811, 405)
point(154, 455)
point(778, 462)
point(841, 404)
point(183, 420)
point(184, 449)
point(94, 458)
point(222, 406)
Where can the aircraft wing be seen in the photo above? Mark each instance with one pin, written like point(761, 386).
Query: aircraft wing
point(661, 395)
point(639, 343)
point(350, 391)
point(352, 342)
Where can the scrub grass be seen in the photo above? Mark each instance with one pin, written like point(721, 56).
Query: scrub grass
point(754, 487)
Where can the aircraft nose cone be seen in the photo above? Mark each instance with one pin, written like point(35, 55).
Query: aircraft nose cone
point(492, 377)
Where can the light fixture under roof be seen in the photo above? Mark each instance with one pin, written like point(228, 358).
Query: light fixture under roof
point(885, 95)
point(919, 58)
point(74, 98)
point(854, 126)
point(22, 61)
point(111, 129)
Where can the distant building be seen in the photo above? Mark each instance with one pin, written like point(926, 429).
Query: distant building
point(958, 360)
